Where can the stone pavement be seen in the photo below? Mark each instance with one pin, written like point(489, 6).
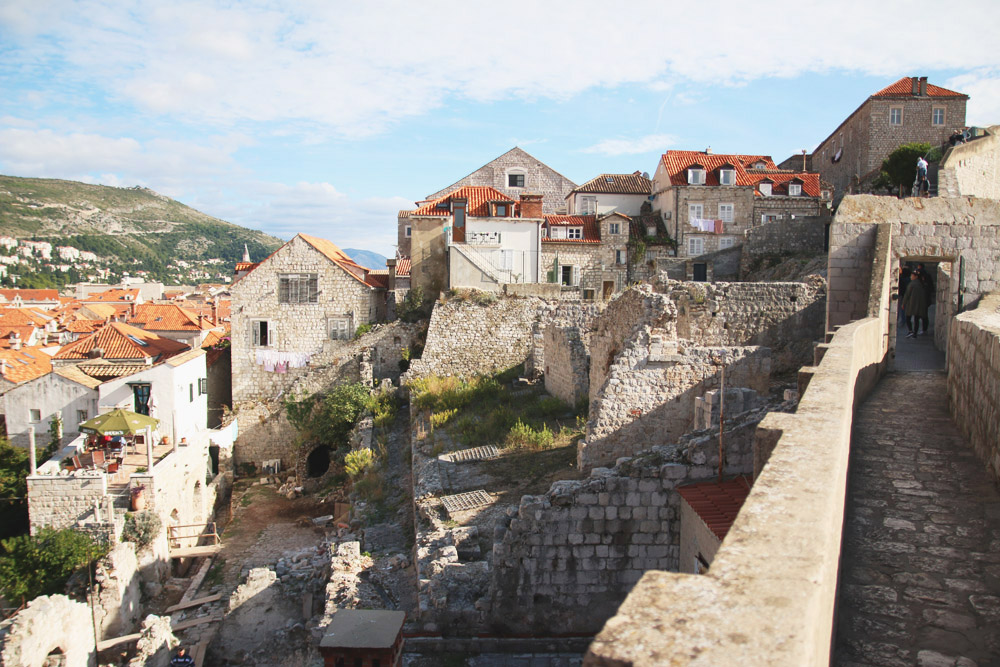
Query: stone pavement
point(920, 577)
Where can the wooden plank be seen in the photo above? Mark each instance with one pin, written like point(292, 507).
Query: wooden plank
point(184, 625)
point(199, 653)
point(193, 552)
point(124, 639)
point(194, 603)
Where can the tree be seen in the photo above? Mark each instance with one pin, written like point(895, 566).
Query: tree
point(900, 168)
point(13, 489)
point(33, 565)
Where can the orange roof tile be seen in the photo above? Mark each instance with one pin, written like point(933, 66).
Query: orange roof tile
point(677, 163)
point(31, 294)
point(717, 503)
point(621, 184)
point(121, 341)
point(21, 317)
point(378, 279)
point(165, 317)
point(478, 196)
point(591, 230)
point(904, 88)
point(245, 266)
point(403, 266)
point(84, 326)
point(24, 331)
point(112, 295)
point(330, 250)
point(781, 179)
point(25, 364)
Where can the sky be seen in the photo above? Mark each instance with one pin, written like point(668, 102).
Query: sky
point(327, 117)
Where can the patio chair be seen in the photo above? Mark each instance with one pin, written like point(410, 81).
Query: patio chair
point(100, 460)
point(76, 463)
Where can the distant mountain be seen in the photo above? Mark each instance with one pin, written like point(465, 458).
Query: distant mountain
point(134, 225)
point(366, 258)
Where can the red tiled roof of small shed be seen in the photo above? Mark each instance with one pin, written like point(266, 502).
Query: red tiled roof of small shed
point(781, 179)
point(478, 196)
point(904, 88)
point(245, 266)
point(31, 294)
point(591, 229)
point(378, 278)
point(618, 184)
point(121, 341)
point(677, 163)
point(25, 364)
point(717, 504)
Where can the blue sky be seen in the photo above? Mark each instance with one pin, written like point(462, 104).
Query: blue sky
point(327, 117)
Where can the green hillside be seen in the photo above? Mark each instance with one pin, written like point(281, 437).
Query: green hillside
point(122, 224)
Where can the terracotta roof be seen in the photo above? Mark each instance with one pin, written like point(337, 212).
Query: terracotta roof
point(25, 364)
point(677, 163)
point(717, 504)
point(165, 317)
point(22, 317)
point(404, 213)
point(25, 331)
point(103, 369)
point(781, 179)
point(31, 294)
point(245, 266)
point(904, 88)
point(121, 341)
point(112, 295)
point(403, 266)
point(330, 250)
point(591, 229)
point(619, 184)
point(76, 375)
point(212, 338)
point(84, 326)
point(378, 278)
point(479, 197)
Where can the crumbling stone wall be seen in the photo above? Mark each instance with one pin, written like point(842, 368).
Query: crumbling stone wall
point(565, 560)
point(786, 317)
point(49, 624)
point(973, 374)
point(567, 364)
point(116, 603)
point(781, 239)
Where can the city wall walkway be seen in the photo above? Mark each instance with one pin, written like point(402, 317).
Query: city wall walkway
point(920, 574)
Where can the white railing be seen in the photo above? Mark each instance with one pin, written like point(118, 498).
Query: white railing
point(487, 264)
point(482, 238)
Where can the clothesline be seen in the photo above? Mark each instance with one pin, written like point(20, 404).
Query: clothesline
point(706, 225)
point(274, 361)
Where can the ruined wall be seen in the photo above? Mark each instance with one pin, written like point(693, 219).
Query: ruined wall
point(786, 317)
point(566, 559)
point(49, 624)
point(781, 239)
point(116, 604)
point(567, 364)
point(974, 379)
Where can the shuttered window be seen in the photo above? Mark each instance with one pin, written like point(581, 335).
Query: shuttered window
point(298, 288)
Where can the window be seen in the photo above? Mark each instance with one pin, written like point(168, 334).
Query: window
point(81, 416)
point(620, 256)
point(574, 232)
point(409, 231)
point(726, 242)
point(140, 397)
point(759, 164)
point(696, 176)
point(937, 116)
point(896, 116)
point(515, 180)
point(298, 288)
point(765, 188)
point(651, 230)
point(191, 393)
point(696, 212)
point(794, 189)
point(35, 414)
point(202, 386)
point(614, 228)
point(588, 205)
point(339, 328)
point(261, 334)
point(726, 212)
point(501, 211)
point(727, 176)
point(569, 275)
point(696, 245)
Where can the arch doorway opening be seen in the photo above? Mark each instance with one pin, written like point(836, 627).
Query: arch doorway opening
point(923, 310)
point(318, 462)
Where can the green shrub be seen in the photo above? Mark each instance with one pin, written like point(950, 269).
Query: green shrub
point(359, 462)
point(33, 565)
point(483, 298)
point(362, 330)
point(439, 419)
point(412, 307)
point(141, 528)
point(13, 489)
point(522, 436)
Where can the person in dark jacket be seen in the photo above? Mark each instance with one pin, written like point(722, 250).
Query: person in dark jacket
point(182, 659)
point(904, 280)
point(915, 303)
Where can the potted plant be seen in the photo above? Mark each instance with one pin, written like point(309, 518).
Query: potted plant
point(138, 494)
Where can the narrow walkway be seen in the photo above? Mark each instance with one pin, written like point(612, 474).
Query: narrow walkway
point(920, 570)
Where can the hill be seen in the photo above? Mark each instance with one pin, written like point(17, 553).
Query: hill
point(134, 226)
point(367, 258)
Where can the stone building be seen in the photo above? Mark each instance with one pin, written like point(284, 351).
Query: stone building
point(514, 173)
point(303, 299)
point(404, 232)
point(710, 200)
point(607, 193)
point(909, 110)
point(587, 252)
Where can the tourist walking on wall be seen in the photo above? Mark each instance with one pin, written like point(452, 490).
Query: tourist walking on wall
point(915, 303)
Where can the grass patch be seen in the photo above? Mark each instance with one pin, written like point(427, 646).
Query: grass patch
point(214, 576)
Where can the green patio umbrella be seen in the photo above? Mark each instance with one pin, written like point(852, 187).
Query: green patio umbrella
point(119, 422)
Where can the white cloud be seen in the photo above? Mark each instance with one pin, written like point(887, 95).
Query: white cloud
point(651, 143)
point(352, 69)
point(983, 88)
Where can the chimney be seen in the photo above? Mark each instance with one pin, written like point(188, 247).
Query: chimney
point(708, 151)
point(531, 205)
point(215, 311)
point(391, 265)
point(914, 86)
point(15, 341)
point(201, 321)
point(923, 85)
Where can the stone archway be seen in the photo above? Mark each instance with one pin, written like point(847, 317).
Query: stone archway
point(51, 627)
point(315, 465)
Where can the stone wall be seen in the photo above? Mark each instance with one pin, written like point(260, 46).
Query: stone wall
point(565, 560)
point(974, 379)
point(567, 364)
point(50, 624)
point(786, 317)
point(976, 165)
point(60, 501)
point(116, 604)
point(778, 240)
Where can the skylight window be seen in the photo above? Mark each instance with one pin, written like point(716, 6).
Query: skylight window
point(136, 340)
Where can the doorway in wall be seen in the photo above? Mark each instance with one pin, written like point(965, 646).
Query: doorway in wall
point(919, 341)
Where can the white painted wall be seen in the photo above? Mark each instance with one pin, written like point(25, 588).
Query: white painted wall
point(51, 394)
point(521, 236)
point(630, 205)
